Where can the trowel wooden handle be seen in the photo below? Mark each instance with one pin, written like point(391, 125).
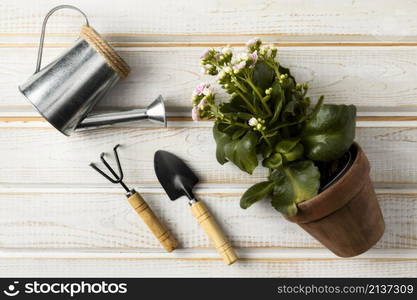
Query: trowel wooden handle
point(148, 216)
point(213, 230)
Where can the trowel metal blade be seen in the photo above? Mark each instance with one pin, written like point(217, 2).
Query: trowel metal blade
point(174, 175)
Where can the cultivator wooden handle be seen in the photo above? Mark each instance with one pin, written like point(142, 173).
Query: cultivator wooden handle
point(213, 230)
point(153, 223)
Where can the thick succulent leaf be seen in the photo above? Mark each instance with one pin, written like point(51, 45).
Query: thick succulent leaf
point(236, 104)
point(276, 90)
point(238, 133)
point(265, 149)
point(231, 129)
point(294, 183)
point(273, 162)
point(244, 116)
point(296, 153)
point(286, 145)
point(293, 110)
point(330, 133)
point(278, 98)
point(242, 152)
point(221, 139)
point(284, 70)
point(263, 76)
point(256, 193)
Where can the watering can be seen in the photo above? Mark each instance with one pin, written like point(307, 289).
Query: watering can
point(66, 90)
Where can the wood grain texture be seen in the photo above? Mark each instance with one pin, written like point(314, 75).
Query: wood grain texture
point(154, 223)
point(214, 232)
point(207, 268)
point(62, 160)
point(367, 77)
point(81, 220)
point(203, 19)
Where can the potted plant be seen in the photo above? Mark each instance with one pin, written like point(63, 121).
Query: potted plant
point(318, 177)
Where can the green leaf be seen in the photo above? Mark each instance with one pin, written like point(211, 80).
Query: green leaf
point(243, 152)
point(256, 193)
point(273, 162)
point(263, 76)
point(286, 145)
point(294, 183)
point(228, 108)
point(296, 153)
point(238, 133)
point(291, 149)
point(221, 139)
point(278, 97)
point(284, 70)
point(235, 104)
point(330, 133)
point(265, 149)
point(244, 116)
point(231, 129)
point(294, 110)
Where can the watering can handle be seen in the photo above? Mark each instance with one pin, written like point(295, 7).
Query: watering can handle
point(40, 50)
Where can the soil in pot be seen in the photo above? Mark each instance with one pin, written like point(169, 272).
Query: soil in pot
point(346, 216)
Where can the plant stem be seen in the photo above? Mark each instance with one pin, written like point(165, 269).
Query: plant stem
point(265, 105)
point(273, 66)
point(289, 124)
point(252, 108)
point(254, 87)
point(240, 124)
point(268, 110)
point(266, 139)
point(236, 82)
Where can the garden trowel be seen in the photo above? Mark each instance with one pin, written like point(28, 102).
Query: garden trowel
point(178, 180)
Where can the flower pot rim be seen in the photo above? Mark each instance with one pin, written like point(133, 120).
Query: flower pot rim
point(338, 194)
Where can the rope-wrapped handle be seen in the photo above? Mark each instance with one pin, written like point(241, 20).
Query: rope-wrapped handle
point(213, 230)
point(153, 223)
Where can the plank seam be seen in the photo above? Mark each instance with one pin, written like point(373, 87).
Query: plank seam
point(211, 254)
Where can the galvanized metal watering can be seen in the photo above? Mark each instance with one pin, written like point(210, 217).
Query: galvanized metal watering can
point(66, 90)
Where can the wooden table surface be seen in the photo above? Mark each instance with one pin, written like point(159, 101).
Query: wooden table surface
point(59, 218)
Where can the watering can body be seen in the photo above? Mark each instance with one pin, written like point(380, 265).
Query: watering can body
point(66, 90)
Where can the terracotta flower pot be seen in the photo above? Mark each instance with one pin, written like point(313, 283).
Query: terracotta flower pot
point(346, 217)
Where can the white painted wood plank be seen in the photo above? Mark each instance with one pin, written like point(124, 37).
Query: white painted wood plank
point(104, 220)
point(43, 155)
point(385, 19)
point(198, 254)
point(208, 254)
point(32, 267)
point(366, 77)
point(28, 118)
point(22, 122)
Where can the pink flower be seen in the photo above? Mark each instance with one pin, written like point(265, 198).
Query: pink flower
point(254, 56)
point(239, 66)
point(202, 103)
point(195, 113)
point(205, 69)
point(207, 91)
point(205, 54)
point(252, 42)
point(199, 89)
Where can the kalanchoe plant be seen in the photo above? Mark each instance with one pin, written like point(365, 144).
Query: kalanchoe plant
point(269, 118)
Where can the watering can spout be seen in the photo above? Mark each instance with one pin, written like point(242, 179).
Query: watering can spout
point(154, 112)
